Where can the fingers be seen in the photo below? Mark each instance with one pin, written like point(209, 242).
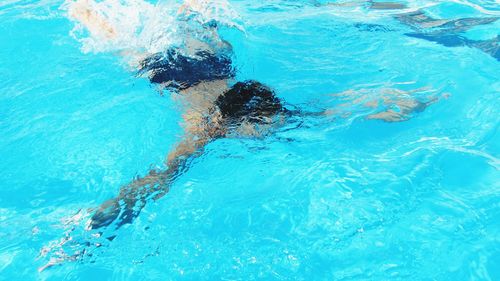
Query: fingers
point(105, 215)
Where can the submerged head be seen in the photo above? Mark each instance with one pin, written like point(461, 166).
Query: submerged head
point(248, 101)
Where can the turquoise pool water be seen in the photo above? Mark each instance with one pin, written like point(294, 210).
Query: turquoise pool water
point(340, 197)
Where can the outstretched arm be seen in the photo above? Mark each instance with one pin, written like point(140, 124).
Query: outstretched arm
point(128, 204)
point(132, 198)
point(385, 104)
point(402, 110)
point(199, 131)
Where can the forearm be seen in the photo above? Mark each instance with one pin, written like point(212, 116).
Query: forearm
point(85, 13)
point(132, 198)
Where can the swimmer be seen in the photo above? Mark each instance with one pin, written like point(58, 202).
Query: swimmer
point(201, 78)
point(446, 32)
point(201, 75)
point(449, 32)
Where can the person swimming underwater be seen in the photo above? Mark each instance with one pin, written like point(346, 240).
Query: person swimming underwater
point(201, 76)
point(446, 32)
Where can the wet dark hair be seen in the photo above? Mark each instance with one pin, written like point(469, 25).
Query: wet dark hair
point(182, 72)
point(248, 101)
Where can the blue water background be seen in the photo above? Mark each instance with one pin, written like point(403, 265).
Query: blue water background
point(335, 199)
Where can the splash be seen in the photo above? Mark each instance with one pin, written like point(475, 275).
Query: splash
point(206, 11)
point(136, 28)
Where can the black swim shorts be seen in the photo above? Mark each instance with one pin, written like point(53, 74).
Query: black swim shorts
point(178, 71)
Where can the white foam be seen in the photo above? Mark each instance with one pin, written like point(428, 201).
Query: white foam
point(140, 27)
point(208, 10)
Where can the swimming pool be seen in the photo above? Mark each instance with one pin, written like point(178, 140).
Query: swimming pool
point(339, 197)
